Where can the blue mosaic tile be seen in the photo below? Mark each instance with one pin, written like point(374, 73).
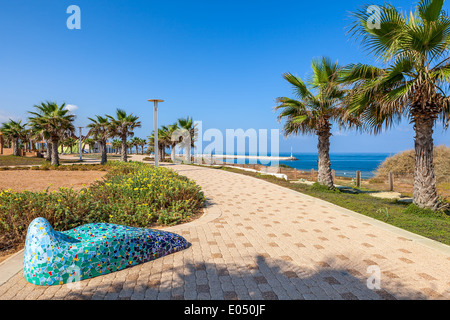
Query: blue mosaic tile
point(91, 250)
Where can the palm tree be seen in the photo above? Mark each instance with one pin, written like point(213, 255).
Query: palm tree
point(188, 125)
point(100, 130)
point(122, 126)
point(90, 142)
point(319, 104)
point(116, 144)
point(172, 143)
point(69, 142)
point(27, 139)
point(135, 142)
point(14, 131)
point(53, 121)
point(139, 142)
point(163, 136)
point(38, 134)
point(413, 83)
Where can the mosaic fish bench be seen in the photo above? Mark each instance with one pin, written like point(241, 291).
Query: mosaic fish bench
point(53, 258)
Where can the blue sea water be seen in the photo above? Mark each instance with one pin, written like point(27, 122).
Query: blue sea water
point(344, 164)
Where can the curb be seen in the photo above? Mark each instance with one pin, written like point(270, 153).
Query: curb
point(429, 243)
point(11, 266)
point(14, 264)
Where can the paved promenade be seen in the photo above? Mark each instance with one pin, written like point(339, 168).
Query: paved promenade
point(261, 241)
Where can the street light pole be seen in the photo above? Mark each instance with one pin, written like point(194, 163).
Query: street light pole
point(155, 117)
point(81, 156)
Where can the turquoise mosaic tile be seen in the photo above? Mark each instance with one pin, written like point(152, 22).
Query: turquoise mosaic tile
point(91, 250)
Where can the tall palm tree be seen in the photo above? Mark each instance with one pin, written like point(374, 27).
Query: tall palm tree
point(188, 125)
point(412, 83)
point(14, 131)
point(100, 130)
point(318, 105)
point(123, 126)
point(53, 121)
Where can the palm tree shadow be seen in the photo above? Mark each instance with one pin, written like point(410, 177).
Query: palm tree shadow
point(260, 279)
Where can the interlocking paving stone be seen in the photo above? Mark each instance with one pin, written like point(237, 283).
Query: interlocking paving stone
point(320, 253)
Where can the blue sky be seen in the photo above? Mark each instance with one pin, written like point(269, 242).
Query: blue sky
point(217, 61)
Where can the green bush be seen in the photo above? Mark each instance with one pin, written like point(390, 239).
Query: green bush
point(133, 194)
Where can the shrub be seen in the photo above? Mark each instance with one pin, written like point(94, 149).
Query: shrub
point(403, 163)
point(133, 194)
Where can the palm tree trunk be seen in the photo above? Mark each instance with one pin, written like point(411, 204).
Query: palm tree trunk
point(325, 176)
point(104, 155)
point(187, 150)
point(424, 190)
point(161, 153)
point(124, 148)
point(172, 154)
point(16, 146)
point(48, 156)
point(55, 156)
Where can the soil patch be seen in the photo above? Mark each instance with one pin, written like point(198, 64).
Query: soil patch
point(37, 180)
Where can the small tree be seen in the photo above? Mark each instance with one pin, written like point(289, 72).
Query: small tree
point(123, 126)
point(14, 131)
point(53, 121)
point(100, 129)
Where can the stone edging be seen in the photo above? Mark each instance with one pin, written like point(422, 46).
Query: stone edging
point(13, 265)
point(432, 244)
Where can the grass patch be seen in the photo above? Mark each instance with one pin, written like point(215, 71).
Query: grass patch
point(20, 161)
point(427, 223)
point(99, 156)
point(6, 161)
point(133, 194)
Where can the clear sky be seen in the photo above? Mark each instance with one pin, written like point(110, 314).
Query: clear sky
point(217, 61)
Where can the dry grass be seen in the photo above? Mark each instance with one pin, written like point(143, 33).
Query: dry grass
point(403, 164)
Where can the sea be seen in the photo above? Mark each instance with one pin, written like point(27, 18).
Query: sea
point(344, 164)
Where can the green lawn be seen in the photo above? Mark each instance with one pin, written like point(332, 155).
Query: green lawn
point(99, 156)
point(19, 161)
point(433, 225)
point(6, 161)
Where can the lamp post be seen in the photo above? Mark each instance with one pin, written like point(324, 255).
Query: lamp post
point(155, 117)
point(81, 156)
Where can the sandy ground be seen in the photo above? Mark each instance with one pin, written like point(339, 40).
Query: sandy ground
point(31, 180)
